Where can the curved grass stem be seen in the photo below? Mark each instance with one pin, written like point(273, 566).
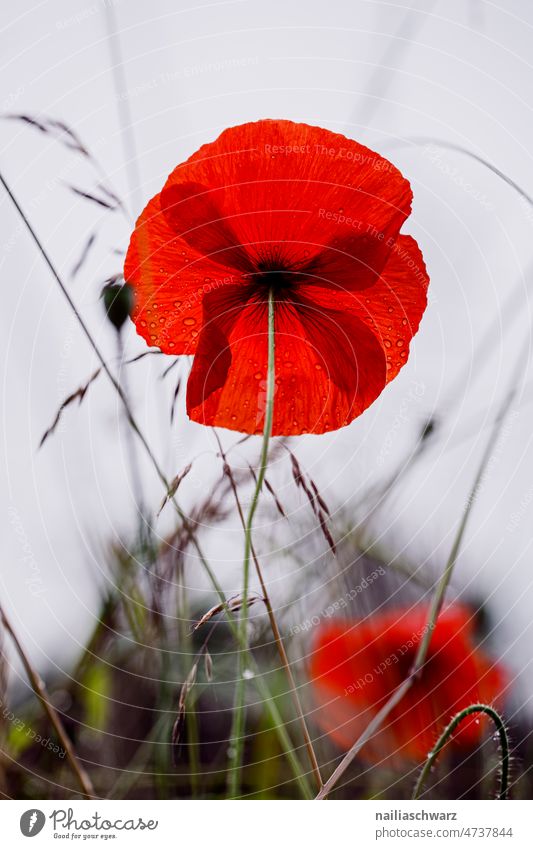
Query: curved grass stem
point(239, 716)
point(447, 733)
point(41, 692)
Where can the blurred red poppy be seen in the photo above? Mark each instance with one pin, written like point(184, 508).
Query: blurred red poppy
point(313, 217)
point(356, 666)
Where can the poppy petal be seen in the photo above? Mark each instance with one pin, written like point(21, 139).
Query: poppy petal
point(399, 299)
point(392, 307)
point(193, 213)
point(329, 367)
point(291, 189)
point(169, 283)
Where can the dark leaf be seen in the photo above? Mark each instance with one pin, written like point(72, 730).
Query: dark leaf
point(276, 499)
point(208, 666)
point(319, 498)
point(28, 119)
point(141, 356)
point(234, 604)
point(428, 429)
point(93, 198)
point(78, 394)
point(177, 728)
point(110, 194)
point(174, 399)
point(72, 140)
point(173, 488)
point(169, 368)
point(83, 256)
point(58, 129)
point(326, 531)
point(300, 481)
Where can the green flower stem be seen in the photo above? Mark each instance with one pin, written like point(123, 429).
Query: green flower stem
point(275, 629)
point(238, 729)
point(447, 733)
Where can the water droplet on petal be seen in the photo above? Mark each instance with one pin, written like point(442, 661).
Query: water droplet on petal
point(189, 321)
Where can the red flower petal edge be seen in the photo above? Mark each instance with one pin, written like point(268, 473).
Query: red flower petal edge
point(356, 666)
point(313, 217)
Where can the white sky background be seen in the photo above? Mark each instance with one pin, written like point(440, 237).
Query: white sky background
point(383, 73)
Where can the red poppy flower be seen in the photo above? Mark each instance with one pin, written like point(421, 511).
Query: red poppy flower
point(315, 218)
point(356, 666)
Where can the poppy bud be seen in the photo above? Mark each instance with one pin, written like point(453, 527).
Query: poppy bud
point(118, 303)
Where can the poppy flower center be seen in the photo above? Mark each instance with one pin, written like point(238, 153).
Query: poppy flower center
point(274, 278)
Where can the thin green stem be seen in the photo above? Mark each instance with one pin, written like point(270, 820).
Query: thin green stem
point(238, 729)
point(440, 591)
point(275, 628)
point(447, 733)
point(192, 718)
point(133, 460)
